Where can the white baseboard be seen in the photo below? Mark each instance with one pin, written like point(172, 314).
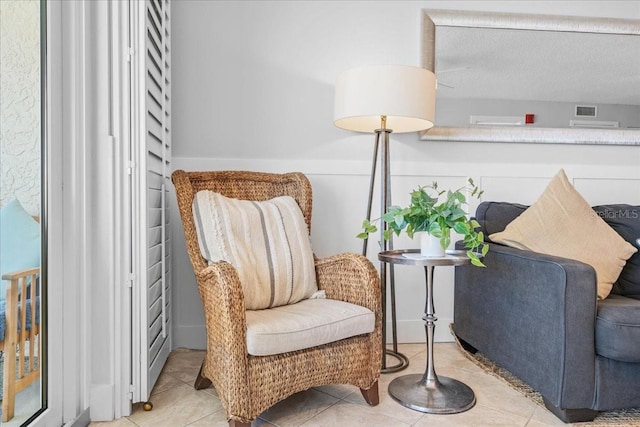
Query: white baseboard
point(102, 402)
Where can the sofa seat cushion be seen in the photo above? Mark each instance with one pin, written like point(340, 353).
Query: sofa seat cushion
point(308, 323)
point(618, 328)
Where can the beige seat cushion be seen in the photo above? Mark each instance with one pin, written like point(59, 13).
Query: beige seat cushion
point(306, 324)
point(267, 242)
point(562, 223)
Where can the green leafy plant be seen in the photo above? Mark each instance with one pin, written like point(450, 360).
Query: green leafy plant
point(427, 212)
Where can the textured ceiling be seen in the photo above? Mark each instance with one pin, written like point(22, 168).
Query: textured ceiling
point(538, 65)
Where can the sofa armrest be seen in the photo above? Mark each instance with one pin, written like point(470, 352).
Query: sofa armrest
point(534, 315)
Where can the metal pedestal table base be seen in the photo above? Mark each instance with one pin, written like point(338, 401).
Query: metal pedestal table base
point(441, 396)
point(427, 392)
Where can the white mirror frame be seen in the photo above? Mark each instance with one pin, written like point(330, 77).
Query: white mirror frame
point(452, 18)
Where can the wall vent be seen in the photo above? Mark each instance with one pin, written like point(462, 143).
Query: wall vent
point(586, 111)
point(593, 124)
point(496, 120)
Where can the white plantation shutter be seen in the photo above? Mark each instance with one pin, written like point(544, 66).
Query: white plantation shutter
point(151, 155)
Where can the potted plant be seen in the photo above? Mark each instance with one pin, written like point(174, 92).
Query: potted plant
point(436, 218)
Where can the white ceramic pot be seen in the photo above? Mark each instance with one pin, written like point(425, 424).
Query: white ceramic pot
point(430, 246)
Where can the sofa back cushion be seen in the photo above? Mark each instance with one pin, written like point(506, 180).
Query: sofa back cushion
point(625, 219)
point(493, 217)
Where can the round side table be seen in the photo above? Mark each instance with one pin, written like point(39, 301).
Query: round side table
point(429, 392)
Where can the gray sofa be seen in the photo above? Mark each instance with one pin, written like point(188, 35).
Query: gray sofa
point(537, 316)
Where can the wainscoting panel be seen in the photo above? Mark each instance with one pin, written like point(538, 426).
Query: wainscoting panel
point(340, 196)
point(609, 190)
point(517, 189)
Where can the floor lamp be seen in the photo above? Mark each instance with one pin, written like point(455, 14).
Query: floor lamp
point(383, 99)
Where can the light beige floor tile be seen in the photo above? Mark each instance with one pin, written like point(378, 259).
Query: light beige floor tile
point(165, 382)
point(450, 362)
point(218, 419)
point(457, 373)
point(444, 354)
point(478, 416)
point(410, 349)
point(419, 365)
point(489, 391)
point(544, 417)
point(178, 404)
point(176, 407)
point(462, 365)
point(496, 394)
point(184, 364)
point(260, 423)
point(450, 353)
point(387, 405)
point(339, 391)
point(121, 422)
point(298, 408)
point(352, 415)
point(534, 423)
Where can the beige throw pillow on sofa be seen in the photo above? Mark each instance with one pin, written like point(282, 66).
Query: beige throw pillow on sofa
point(562, 223)
point(267, 242)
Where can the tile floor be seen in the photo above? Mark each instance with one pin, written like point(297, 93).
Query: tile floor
point(177, 403)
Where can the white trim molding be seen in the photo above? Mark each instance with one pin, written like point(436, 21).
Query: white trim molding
point(534, 135)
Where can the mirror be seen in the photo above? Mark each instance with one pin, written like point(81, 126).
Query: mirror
point(576, 80)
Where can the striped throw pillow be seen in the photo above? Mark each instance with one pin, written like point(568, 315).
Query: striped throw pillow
point(267, 242)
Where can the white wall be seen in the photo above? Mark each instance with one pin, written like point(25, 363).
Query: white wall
point(20, 104)
point(253, 89)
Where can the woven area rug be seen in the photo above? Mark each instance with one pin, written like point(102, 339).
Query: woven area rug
point(628, 417)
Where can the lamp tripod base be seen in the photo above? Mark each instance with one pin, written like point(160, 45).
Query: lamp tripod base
point(402, 362)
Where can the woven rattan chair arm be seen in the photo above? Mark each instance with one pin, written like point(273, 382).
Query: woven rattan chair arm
point(352, 278)
point(224, 309)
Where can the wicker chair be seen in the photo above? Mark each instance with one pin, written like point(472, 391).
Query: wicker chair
point(248, 385)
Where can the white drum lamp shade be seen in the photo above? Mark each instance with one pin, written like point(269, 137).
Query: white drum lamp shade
point(405, 95)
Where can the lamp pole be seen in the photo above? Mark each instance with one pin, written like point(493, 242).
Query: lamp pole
point(385, 202)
